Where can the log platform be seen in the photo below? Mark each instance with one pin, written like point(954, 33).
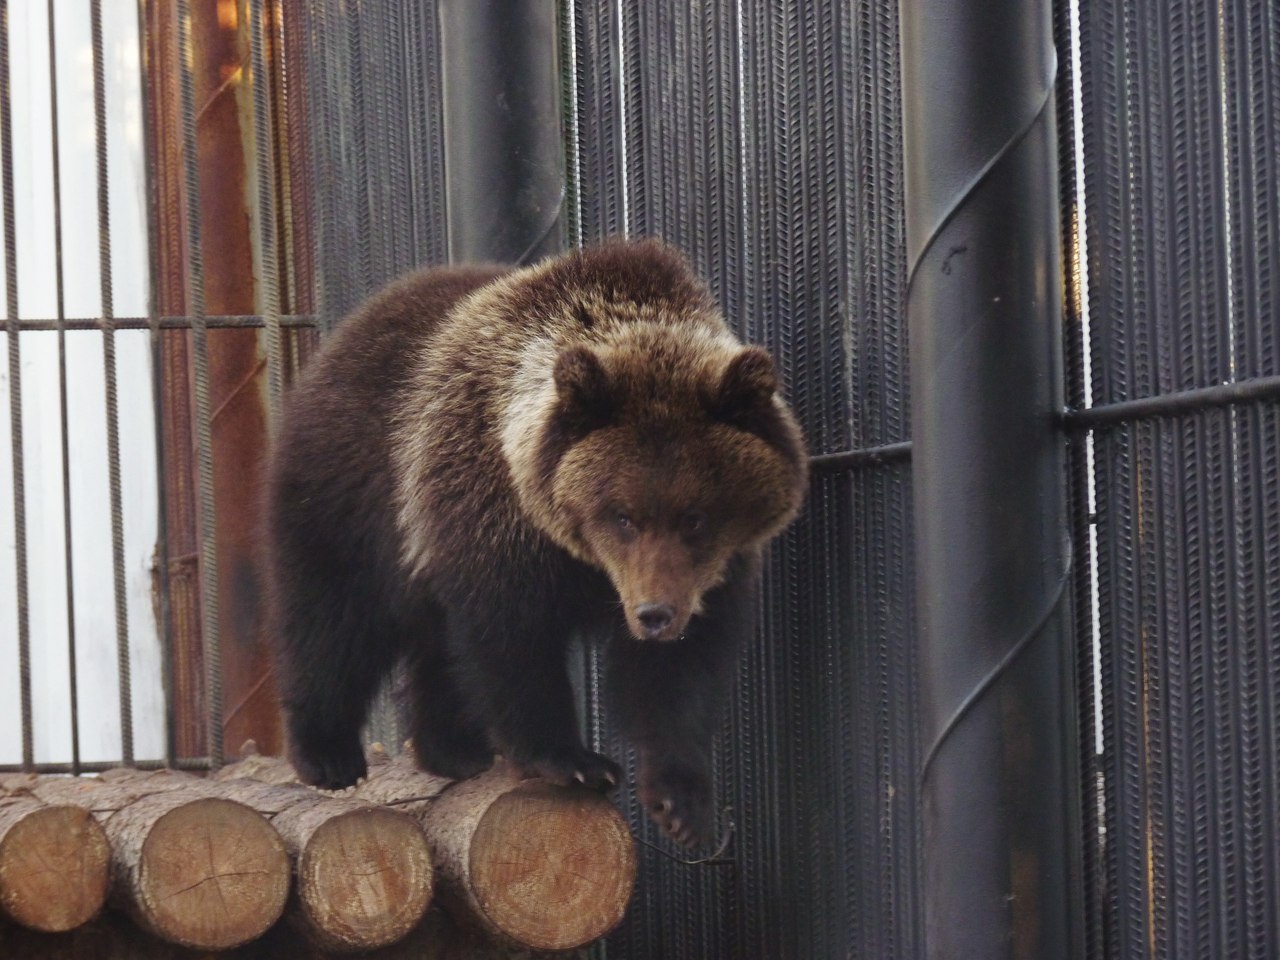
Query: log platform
point(532, 864)
point(249, 863)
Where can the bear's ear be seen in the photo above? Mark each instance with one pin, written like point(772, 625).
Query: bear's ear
point(586, 400)
point(748, 382)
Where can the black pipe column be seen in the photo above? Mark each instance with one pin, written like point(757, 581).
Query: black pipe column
point(503, 148)
point(999, 786)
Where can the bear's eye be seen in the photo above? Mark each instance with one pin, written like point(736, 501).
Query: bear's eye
point(695, 521)
point(623, 521)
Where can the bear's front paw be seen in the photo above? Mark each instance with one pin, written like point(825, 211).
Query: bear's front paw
point(576, 765)
point(330, 769)
point(679, 799)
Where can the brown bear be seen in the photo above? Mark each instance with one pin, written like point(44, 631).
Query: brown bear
point(482, 462)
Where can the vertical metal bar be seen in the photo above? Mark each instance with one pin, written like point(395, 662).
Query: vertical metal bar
point(568, 13)
point(157, 397)
point(999, 780)
point(59, 293)
point(297, 115)
point(109, 365)
point(264, 147)
point(1088, 840)
point(504, 154)
point(1251, 42)
point(200, 344)
point(322, 56)
point(15, 392)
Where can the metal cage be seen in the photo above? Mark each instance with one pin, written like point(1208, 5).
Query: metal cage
point(293, 155)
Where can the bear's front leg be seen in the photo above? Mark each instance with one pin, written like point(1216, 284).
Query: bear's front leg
point(510, 666)
point(668, 695)
point(664, 696)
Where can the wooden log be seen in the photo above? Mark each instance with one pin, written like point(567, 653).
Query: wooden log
point(534, 865)
point(198, 870)
point(547, 867)
point(364, 872)
point(54, 862)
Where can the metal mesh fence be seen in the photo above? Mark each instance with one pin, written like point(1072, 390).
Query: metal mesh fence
point(1181, 119)
point(22, 444)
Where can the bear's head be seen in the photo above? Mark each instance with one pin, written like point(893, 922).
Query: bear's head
point(666, 451)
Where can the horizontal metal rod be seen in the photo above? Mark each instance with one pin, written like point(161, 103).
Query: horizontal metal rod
point(1255, 390)
point(97, 766)
point(866, 457)
point(166, 323)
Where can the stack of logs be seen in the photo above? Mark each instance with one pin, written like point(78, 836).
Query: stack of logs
point(403, 865)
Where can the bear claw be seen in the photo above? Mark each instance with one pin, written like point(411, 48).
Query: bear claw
point(679, 801)
point(330, 773)
point(580, 766)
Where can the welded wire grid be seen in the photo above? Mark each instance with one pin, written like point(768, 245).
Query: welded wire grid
point(1181, 107)
point(194, 320)
point(104, 322)
point(14, 326)
point(382, 196)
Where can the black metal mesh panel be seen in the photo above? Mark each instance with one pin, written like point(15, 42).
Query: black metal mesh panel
point(373, 114)
point(1182, 135)
point(763, 140)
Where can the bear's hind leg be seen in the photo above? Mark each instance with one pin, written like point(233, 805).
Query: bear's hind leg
point(329, 667)
point(446, 740)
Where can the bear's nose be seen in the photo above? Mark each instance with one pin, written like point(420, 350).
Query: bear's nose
point(655, 617)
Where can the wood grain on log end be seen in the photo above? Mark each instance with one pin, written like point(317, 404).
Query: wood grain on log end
point(552, 868)
point(54, 865)
point(212, 874)
point(365, 878)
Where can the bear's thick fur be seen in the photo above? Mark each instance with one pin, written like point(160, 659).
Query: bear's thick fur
point(481, 462)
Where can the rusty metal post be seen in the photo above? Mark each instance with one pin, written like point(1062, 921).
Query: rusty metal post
point(237, 368)
point(237, 365)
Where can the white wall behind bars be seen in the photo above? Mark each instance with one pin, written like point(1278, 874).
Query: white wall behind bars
point(94, 610)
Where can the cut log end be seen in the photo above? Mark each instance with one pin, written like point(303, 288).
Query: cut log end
point(365, 878)
point(552, 868)
point(212, 875)
point(54, 868)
